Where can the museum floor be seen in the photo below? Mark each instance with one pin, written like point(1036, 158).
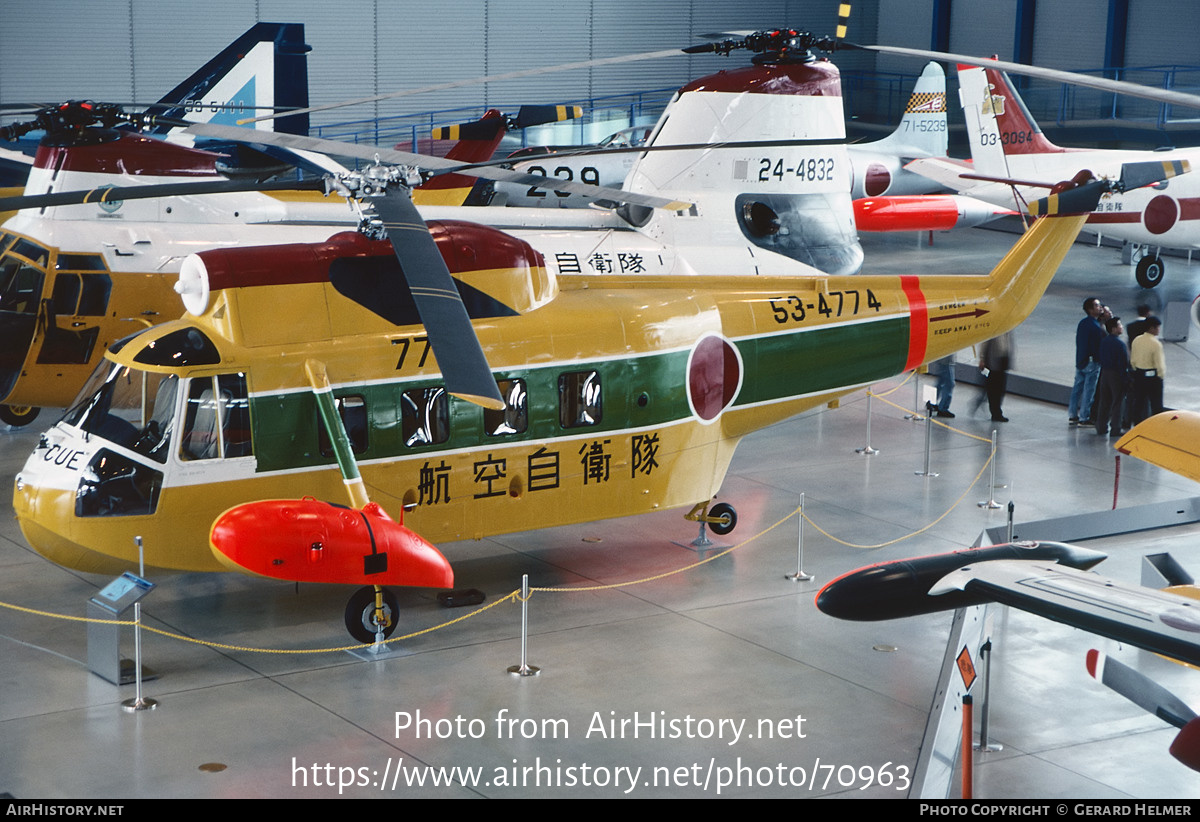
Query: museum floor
point(730, 640)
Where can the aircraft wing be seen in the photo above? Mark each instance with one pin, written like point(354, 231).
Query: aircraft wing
point(1146, 618)
point(945, 171)
point(1169, 440)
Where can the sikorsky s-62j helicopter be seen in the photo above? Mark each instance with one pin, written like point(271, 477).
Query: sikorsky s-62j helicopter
point(474, 382)
point(563, 397)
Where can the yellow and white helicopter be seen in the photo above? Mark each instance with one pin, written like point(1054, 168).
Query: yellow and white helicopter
point(74, 278)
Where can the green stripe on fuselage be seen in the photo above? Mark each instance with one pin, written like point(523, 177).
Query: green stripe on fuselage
point(822, 359)
point(637, 392)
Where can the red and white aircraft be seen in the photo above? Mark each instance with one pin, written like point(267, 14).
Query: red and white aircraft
point(1013, 162)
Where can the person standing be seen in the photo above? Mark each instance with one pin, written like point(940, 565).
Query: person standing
point(995, 358)
point(1088, 335)
point(1138, 327)
point(1149, 367)
point(943, 371)
point(1114, 379)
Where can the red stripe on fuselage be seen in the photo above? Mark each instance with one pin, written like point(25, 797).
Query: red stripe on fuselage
point(918, 322)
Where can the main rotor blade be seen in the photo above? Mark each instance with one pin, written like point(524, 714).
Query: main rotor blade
point(112, 194)
point(457, 349)
point(475, 81)
point(1178, 98)
point(437, 164)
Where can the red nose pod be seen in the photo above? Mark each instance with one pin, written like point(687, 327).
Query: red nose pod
point(313, 541)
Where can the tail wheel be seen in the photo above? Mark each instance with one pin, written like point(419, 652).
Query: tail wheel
point(360, 614)
point(18, 415)
point(725, 516)
point(1150, 271)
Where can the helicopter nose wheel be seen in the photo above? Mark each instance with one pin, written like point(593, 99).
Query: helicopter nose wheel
point(1150, 271)
point(18, 415)
point(361, 614)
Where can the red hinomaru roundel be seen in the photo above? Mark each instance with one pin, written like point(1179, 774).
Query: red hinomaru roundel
point(714, 376)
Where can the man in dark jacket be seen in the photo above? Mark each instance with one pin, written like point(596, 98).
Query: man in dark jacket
point(1114, 379)
point(1088, 335)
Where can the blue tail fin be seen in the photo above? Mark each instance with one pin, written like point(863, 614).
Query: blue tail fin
point(265, 67)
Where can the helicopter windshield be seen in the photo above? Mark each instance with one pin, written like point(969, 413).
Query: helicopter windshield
point(22, 272)
point(130, 408)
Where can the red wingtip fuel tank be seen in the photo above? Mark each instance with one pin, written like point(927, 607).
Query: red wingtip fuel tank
point(897, 589)
point(923, 212)
point(308, 540)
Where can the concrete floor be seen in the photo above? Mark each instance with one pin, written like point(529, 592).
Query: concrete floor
point(731, 640)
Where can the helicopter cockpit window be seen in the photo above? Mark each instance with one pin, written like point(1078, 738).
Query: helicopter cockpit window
point(39, 255)
point(514, 418)
point(133, 409)
point(425, 416)
point(353, 411)
point(579, 400)
point(187, 346)
point(216, 418)
point(20, 285)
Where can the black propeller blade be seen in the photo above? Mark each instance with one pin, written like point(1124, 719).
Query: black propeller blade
point(455, 345)
point(1153, 698)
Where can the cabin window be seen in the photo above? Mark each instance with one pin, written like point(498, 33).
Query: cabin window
point(81, 294)
point(20, 286)
point(353, 411)
point(112, 485)
point(579, 402)
point(216, 418)
point(133, 409)
point(514, 419)
point(425, 416)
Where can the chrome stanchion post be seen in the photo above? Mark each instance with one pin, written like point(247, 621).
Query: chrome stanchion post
point(138, 703)
point(1011, 508)
point(990, 502)
point(986, 653)
point(867, 450)
point(928, 429)
point(524, 669)
point(800, 576)
point(915, 416)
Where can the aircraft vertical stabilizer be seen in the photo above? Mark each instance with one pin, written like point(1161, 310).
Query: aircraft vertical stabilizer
point(267, 67)
point(922, 131)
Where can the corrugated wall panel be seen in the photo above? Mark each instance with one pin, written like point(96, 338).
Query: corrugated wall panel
point(166, 49)
point(54, 50)
point(1163, 31)
point(903, 24)
point(982, 27)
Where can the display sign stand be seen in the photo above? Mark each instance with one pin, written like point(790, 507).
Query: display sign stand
point(104, 636)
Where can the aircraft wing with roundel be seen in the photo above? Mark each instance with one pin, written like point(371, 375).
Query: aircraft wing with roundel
point(1156, 621)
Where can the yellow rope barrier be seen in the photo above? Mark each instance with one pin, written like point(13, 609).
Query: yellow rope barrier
point(515, 596)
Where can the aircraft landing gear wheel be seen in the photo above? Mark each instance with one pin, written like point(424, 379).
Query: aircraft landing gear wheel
point(1150, 271)
point(18, 415)
point(724, 512)
point(360, 614)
